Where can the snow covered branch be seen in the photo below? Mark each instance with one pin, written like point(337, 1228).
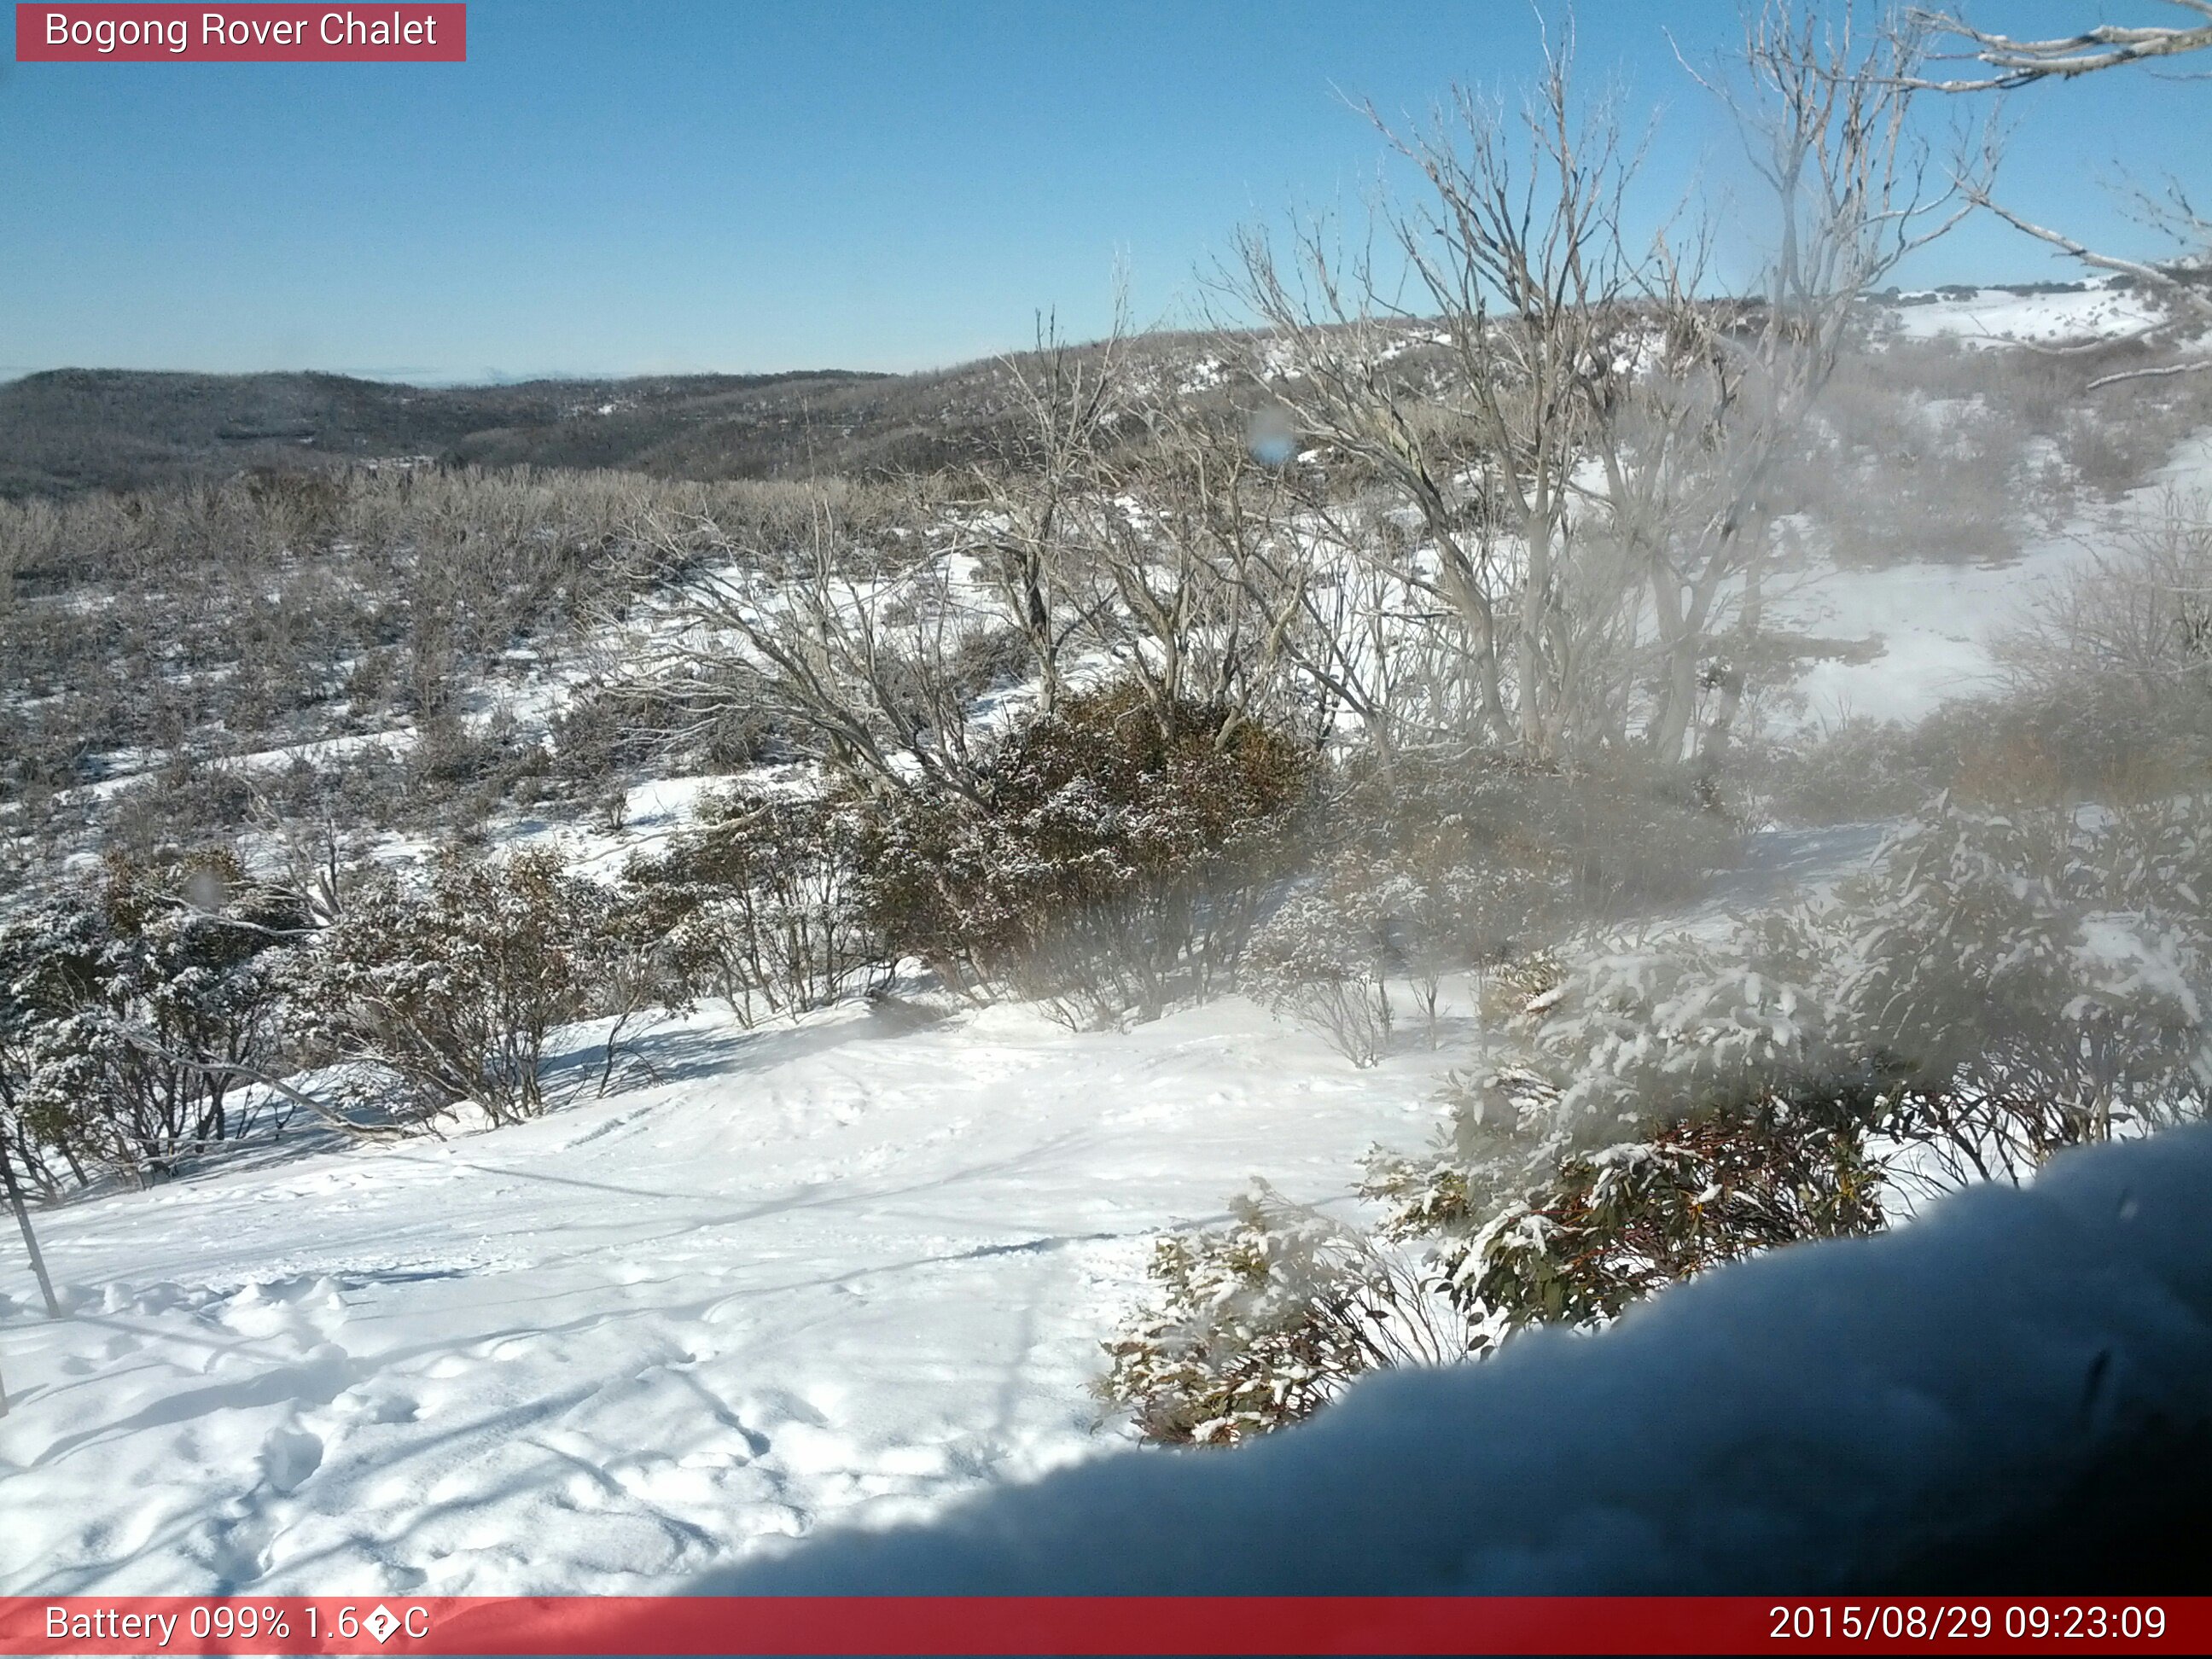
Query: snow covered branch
point(2018, 62)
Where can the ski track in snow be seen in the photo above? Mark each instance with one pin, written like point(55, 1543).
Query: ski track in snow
point(844, 1270)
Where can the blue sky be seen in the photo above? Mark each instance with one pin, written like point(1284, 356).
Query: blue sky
point(664, 185)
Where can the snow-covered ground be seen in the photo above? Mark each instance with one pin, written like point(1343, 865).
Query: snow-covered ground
point(1935, 623)
point(845, 1270)
point(2010, 1394)
point(1990, 316)
point(831, 1271)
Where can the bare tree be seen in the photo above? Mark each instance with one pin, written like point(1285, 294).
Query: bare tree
point(1825, 110)
point(1587, 436)
point(2015, 61)
point(2180, 282)
point(1197, 548)
point(1133, 530)
point(1067, 400)
point(851, 643)
point(1472, 395)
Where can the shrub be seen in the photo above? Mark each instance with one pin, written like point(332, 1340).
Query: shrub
point(451, 991)
point(132, 1013)
point(1503, 852)
point(1320, 960)
point(2038, 980)
point(1263, 1321)
point(1995, 988)
point(2139, 615)
point(755, 905)
point(1114, 859)
point(1613, 1223)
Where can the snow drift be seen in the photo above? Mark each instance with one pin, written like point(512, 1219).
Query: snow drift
point(2013, 1393)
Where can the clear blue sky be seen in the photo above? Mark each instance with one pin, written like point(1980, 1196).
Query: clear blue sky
point(745, 185)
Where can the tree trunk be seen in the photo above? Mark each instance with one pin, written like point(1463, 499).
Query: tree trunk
point(30, 1239)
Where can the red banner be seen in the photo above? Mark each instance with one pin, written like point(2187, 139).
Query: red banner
point(90, 33)
point(1102, 1625)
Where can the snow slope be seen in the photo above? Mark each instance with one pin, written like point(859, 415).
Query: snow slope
point(2013, 1393)
point(1935, 623)
point(1994, 317)
point(838, 1271)
point(841, 1271)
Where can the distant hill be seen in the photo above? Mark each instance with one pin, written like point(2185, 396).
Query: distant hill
point(72, 429)
point(68, 430)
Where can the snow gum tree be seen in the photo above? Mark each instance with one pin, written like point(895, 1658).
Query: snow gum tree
point(1587, 438)
point(2181, 282)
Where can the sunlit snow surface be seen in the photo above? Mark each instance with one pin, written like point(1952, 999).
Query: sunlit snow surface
point(825, 1273)
point(1936, 624)
point(2014, 1392)
point(1997, 317)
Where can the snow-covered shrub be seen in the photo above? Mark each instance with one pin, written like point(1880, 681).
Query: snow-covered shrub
point(1113, 860)
point(1320, 960)
point(1325, 955)
point(1994, 989)
point(755, 905)
point(1517, 986)
point(449, 990)
point(132, 1014)
point(1615, 1223)
point(1264, 1321)
point(2138, 614)
point(1670, 1108)
point(2034, 980)
point(35, 1138)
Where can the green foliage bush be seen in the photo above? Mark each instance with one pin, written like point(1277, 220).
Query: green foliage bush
point(450, 989)
point(1116, 859)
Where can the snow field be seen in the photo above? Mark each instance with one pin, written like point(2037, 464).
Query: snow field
point(835, 1272)
point(2013, 1394)
point(1994, 317)
point(1936, 624)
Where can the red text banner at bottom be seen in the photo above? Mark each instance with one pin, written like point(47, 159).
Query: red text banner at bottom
point(1100, 1625)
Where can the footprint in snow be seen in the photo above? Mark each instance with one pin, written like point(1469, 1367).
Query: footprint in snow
point(383, 1404)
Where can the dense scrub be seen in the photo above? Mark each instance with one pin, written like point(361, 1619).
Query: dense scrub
point(134, 1013)
point(1116, 856)
point(1996, 987)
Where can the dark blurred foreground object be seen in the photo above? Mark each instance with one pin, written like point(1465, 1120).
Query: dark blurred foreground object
point(2011, 1395)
